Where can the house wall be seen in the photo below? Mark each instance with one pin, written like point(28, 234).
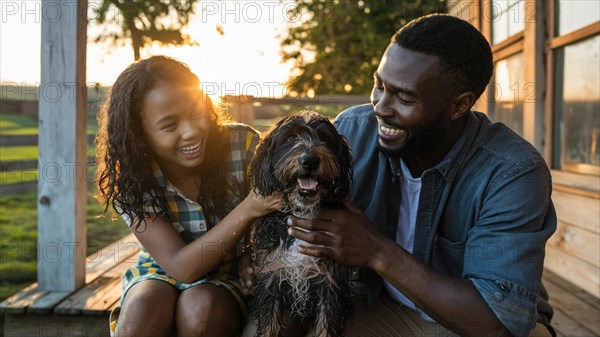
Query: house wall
point(540, 46)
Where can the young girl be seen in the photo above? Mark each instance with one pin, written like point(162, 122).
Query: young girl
point(177, 175)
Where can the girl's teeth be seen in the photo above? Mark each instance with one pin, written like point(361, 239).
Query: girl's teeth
point(191, 148)
point(389, 131)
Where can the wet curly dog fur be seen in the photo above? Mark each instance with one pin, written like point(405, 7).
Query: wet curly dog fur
point(305, 158)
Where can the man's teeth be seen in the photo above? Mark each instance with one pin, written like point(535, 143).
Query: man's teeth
point(389, 131)
point(191, 148)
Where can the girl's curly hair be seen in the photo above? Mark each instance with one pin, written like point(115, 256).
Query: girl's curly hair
point(125, 177)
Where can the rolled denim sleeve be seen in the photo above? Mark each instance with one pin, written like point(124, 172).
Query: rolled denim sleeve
point(504, 253)
point(513, 304)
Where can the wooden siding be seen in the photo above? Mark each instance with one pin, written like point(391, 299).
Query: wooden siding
point(573, 251)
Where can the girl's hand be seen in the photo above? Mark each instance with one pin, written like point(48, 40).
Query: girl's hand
point(260, 206)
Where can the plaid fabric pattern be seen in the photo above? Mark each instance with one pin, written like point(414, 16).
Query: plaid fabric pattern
point(189, 220)
point(187, 215)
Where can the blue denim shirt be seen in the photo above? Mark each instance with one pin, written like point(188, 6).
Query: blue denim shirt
point(484, 214)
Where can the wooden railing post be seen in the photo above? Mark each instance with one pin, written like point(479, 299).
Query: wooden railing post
point(534, 88)
point(62, 185)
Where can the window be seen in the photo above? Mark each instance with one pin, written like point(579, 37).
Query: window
point(573, 15)
point(508, 19)
point(577, 107)
point(575, 90)
point(508, 92)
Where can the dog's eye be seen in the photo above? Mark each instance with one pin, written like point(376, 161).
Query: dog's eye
point(291, 138)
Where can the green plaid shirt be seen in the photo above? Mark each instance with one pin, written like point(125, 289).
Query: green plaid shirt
point(187, 216)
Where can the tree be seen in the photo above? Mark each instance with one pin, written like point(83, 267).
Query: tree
point(144, 21)
point(346, 38)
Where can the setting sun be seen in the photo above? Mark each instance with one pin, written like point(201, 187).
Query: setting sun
point(238, 49)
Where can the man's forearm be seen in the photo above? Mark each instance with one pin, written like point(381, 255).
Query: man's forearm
point(451, 301)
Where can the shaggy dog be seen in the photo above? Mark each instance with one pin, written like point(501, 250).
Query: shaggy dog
point(305, 159)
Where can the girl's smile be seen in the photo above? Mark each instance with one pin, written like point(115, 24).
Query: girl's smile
point(176, 124)
point(192, 151)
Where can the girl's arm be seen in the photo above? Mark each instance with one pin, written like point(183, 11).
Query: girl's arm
point(187, 263)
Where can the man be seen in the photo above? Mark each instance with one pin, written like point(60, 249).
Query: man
point(457, 209)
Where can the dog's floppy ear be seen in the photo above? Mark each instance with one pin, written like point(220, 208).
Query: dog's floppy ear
point(344, 182)
point(261, 172)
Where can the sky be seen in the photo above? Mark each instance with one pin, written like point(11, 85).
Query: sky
point(245, 60)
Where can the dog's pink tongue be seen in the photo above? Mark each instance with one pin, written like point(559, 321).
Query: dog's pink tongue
point(307, 183)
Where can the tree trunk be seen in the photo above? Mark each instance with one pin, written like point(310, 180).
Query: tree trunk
point(136, 38)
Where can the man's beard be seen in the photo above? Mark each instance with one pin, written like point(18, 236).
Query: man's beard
point(418, 141)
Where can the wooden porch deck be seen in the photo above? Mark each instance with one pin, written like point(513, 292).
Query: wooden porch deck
point(33, 312)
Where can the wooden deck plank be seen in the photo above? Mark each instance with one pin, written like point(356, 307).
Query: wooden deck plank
point(39, 301)
point(97, 297)
point(18, 302)
point(93, 296)
point(45, 304)
point(55, 325)
point(565, 326)
point(105, 299)
point(577, 312)
point(112, 307)
point(572, 308)
point(573, 290)
point(31, 297)
point(110, 256)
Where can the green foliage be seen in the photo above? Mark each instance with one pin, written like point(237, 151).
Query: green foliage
point(144, 21)
point(348, 38)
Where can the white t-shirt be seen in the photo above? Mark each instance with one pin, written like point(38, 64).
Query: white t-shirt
point(405, 236)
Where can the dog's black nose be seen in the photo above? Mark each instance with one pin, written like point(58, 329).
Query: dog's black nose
point(309, 161)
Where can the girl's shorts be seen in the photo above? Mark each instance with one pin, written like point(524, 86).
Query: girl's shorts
point(151, 271)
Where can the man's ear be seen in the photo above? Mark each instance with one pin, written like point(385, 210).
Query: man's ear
point(462, 105)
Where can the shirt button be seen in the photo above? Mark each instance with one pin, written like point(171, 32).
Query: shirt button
point(390, 228)
point(503, 287)
point(498, 295)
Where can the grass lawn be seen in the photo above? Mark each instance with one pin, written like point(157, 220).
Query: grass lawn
point(18, 213)
point(15, 124)
point(11, 124)
point(18, 238)
point(21, 176)
point(14, 153)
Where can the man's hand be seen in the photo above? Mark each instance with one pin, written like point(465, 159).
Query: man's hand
point(346, 236)
point(246, 272)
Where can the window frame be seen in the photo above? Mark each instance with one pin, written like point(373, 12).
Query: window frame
point(508, 40)
point(556, 42)
point(514, 48)
point(512, 45)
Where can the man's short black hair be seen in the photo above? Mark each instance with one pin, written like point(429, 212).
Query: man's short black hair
point(463, 52)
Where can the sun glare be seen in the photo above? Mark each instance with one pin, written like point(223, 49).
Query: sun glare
point(238, 51)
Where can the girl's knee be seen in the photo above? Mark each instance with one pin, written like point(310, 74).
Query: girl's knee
point(207, 310)
point(145, 311)
point(141, 319)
